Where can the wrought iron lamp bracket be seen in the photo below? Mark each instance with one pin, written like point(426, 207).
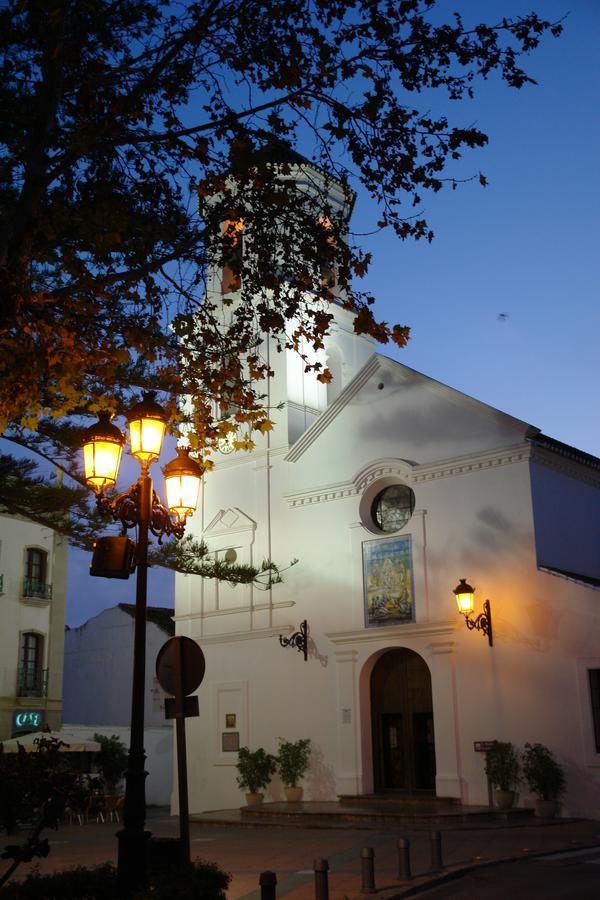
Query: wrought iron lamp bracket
point(298, 639)
point(125, 508)
point(483, 622)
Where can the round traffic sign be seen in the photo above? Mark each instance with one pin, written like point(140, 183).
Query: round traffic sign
point(180, 666)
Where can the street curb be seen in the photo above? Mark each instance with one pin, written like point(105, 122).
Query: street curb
point(274, 822)
point(453, 874)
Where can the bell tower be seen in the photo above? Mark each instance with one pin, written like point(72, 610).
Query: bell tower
point(294, 396)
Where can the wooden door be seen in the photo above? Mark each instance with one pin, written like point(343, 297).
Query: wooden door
point(402, 723)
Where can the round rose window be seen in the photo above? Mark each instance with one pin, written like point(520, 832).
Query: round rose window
point(393, 507)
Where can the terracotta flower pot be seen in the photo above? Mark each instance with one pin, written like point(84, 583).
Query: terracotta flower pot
point(293, 794)
point(504, 799)
point(254, 799)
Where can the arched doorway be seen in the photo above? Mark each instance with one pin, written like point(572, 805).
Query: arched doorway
point(402, 723)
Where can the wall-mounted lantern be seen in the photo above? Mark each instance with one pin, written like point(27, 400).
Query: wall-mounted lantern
point(465, 602)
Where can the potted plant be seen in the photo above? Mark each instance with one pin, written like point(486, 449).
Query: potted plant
point(255, 768)
point(545, 778)
point(503, 770)
point(292, 763)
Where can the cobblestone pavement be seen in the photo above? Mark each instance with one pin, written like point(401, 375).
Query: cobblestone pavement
point(290, 852)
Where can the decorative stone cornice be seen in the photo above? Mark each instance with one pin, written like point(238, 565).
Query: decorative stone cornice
point(410, 473)
point(329, 492)
point(395, 633)
point(235, 610)
point(235, 636)
point(561, 463)
point(476, 462)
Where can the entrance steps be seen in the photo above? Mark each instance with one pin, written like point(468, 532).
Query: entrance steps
point(374, 811)
point(367, 812)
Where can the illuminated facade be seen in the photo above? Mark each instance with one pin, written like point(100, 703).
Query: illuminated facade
point(389, 487)
point(33, 581)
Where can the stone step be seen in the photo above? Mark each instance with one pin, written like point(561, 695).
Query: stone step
point(397, 799)
point(372, 815)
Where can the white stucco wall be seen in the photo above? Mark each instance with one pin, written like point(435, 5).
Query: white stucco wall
point(469, 466)
point(98, 664)
point(97, 691)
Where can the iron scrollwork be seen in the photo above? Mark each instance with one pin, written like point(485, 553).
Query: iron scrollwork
point(125, 508)
point(483, 622)
point(299, 640)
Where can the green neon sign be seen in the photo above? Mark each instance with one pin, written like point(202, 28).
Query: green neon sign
point(28, 719)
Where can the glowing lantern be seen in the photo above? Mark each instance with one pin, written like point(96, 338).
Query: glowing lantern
point(102, 448)
point(182, 482)
point(147, 426)
point(464, 597)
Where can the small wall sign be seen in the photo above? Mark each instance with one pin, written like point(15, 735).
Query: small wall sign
point(230, 741)
point(230, 719)
point(482, 746)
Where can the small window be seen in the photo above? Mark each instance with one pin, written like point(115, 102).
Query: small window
point(30, 664)
point(594, 675)
point(36, 565)
point(393, 507)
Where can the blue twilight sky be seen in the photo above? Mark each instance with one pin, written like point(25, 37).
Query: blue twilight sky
point(504, 304)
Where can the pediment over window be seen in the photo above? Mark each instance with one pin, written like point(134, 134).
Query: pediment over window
point(384, 469)
point(229, 521)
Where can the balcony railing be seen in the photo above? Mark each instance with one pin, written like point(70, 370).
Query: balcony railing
point(32, 682)
point(37, 589)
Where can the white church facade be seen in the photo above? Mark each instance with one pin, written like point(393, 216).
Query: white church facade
point(388, 487)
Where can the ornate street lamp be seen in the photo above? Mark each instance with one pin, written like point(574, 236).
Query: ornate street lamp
point(102, 451)
point(465, 601)
point(139, 507)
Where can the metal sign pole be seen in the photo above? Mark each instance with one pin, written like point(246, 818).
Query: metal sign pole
point(180, 669)
point(184, 815)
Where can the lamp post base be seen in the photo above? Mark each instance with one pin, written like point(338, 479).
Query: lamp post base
point(132, 863)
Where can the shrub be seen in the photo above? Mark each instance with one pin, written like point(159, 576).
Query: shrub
point(255, 768)
point(35, 788)
point(545, 776)
point(292, 760)
point(111, 760)
point(203, 879)
point(98, 883)
point(502, 766)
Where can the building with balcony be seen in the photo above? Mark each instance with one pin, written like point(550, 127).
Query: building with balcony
point(33, 585)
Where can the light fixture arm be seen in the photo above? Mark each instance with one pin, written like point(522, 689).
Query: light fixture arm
point(299, 640)
point(126, 508)
point(483, 622)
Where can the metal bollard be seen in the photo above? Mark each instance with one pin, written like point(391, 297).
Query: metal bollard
point(436, 850)
point(321, 867)
point(268, 885)
point(404, 860)
point(367, 868)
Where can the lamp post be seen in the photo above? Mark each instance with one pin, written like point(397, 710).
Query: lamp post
point(139, 507)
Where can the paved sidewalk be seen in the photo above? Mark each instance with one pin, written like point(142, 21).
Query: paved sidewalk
point(290, 852)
